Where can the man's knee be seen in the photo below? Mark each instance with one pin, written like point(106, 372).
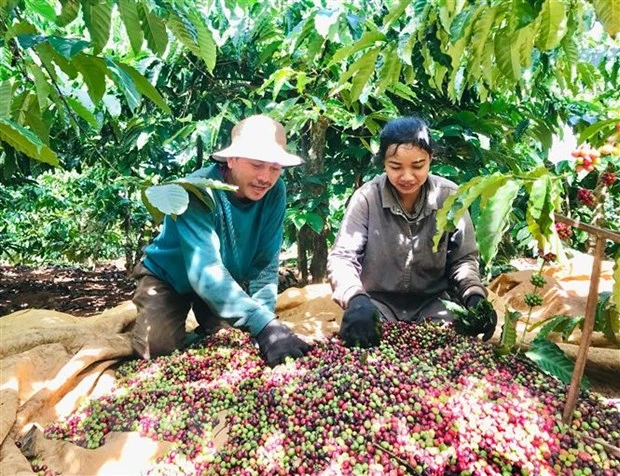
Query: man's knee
point(149, 345)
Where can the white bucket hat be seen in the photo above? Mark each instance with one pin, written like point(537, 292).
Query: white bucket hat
point(259, 138)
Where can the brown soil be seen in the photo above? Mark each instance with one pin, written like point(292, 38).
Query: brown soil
point(74, 290)
point(66, 289)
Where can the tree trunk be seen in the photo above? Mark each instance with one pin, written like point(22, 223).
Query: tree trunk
point(310, 245)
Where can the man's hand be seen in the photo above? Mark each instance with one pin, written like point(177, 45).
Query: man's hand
point(276, 342)
point(484, 320)
point(360, 323)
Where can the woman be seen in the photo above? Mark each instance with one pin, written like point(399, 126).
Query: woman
point(382, 266)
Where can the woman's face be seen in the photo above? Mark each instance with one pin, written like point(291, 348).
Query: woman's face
point(407, 167)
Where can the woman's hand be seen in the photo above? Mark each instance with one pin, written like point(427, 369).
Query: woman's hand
point(361, 323)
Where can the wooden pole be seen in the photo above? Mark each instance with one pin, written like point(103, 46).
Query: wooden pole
point(588, 328)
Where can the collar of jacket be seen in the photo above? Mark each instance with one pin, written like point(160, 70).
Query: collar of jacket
point(432, 195)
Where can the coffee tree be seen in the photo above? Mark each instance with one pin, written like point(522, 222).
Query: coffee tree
point(147, 88)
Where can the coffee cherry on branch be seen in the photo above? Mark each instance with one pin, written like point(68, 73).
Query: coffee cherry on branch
point(586, 197)
point(533, 299)
point(607, 149)
point(564, 231)
point(608, 178)
point(538, 280)
point(547, 257)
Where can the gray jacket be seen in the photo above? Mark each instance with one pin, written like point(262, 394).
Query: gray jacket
point(381, 252)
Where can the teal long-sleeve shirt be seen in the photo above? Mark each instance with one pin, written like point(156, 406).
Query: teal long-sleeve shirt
point(227, 256)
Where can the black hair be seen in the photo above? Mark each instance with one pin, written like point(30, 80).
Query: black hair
point(405, 130)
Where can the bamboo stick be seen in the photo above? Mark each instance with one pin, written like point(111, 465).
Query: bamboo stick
point(588, 328)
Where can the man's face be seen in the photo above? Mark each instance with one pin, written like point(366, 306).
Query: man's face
point(253, 177)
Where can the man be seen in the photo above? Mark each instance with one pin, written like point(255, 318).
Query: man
point(223, 263)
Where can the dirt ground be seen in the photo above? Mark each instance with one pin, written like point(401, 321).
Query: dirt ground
point(76, 291)
point(66, 289)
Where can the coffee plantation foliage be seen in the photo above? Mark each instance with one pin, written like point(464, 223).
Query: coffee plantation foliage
point(68, 217)
point(144, 90)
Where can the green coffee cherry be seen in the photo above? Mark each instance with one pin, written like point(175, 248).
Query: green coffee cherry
point(533, 299)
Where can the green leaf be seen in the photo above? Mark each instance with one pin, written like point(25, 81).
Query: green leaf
point(145, 87)
point(365, 67)
point(18, 29)
point(398, 8)
point(459, 24)
point(455, 308)
point(205, 196)
point(314, 221)
point(605, 127)
point(443, 222)
point(608, 13)
point(125, 84)
point(390, 71)
point(49, 56)
point(540, 208)
point(97, 16)
point(41, 83)
point(153, 29)
point(202, 188)
point(553, 24)
point(493, 220)
point(368, 39)
point(30, 40)
point(42, 8)
point(6, 94)
point(278, 78)
point(457, 204)
point(68, 13)
point(526, 42)
point(571, 50)
point(480, 36)
point(473, 189)
point(552, 360)
point(23, 140)
point(508, 337)
point(93, 70)
point(34, 122)
point(557, 323)
point(607, 318)
point(169, 199)
point(129, 14)
point(507, 54)
point(403, 91)
point(183, 31)
point(206, 43)
point(155, 213)
point(83, 112)
point(67, 47)
point(405, 48)
point(525, 11)
point(20, 105)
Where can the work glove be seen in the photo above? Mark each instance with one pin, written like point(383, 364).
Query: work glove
point(482, 318)
point(276, 342)
point(361, 323)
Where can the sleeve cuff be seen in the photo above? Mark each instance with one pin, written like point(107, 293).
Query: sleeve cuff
point(481, 290)
point(258, 323)
point(350, 294)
